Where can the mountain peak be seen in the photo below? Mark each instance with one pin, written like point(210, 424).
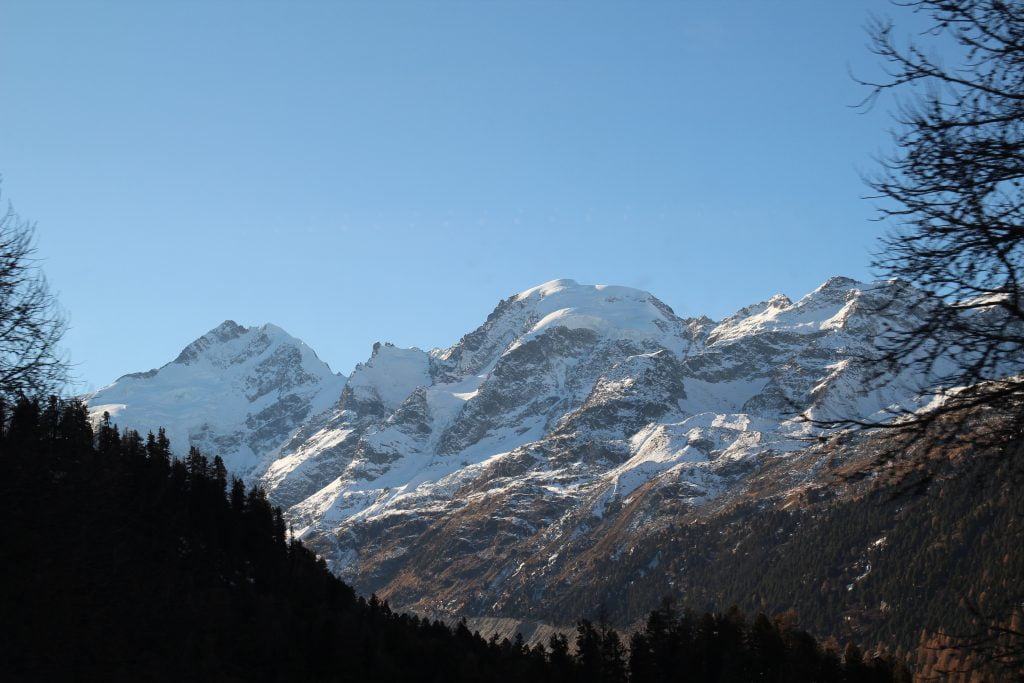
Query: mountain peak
point(229, 328)
point(566, 288)
point(225, 332)
point(838, 283)
point(236, 391)
point(611, 311)
point(546, 289)
point(230, 342)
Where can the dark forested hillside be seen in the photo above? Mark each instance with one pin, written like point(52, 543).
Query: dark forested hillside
point(121, 562)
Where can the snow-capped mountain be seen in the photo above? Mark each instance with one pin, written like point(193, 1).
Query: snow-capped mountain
point(459, 480)
point(237, 392)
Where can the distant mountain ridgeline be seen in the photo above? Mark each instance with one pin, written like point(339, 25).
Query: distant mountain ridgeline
point(124, 563)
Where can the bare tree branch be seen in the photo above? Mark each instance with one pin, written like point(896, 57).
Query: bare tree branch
point(952, 194)
point(31, 322)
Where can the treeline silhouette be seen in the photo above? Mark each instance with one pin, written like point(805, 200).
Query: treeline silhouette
point(122, 562)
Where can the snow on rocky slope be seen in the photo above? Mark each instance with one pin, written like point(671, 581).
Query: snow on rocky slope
point(450, 480)
point(237, 392)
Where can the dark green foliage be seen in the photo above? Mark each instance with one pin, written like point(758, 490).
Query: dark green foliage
point(600, 656)
point(725, 648)
point(123, 563)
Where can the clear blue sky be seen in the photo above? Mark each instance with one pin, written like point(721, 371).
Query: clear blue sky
point(362, 171)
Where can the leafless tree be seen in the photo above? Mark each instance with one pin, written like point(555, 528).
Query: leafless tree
point(31, 322)
point(951, 192)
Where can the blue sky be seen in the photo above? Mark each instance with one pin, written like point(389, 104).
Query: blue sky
point(357, 171)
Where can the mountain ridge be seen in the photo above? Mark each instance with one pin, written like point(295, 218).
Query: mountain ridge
point(451, 472)
point(231, 391)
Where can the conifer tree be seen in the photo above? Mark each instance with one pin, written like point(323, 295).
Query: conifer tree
point(237, 495)
point(220, 474)
point(108, 441)
point(196, 464)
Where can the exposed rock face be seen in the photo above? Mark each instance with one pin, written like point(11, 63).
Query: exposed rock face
point(237, 392)
point(574, 421)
